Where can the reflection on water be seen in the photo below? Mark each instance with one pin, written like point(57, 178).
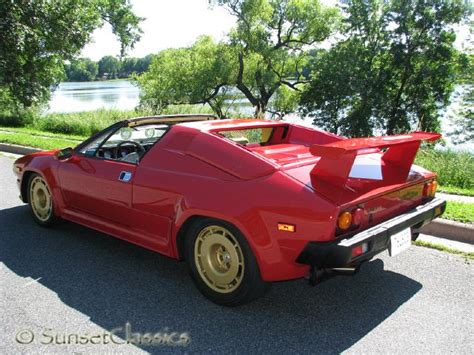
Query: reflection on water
point(88, 96)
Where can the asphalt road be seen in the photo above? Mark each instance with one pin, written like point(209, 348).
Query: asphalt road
point(60, 283)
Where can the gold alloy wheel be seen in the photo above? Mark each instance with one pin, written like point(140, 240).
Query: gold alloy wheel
point(219, 259)
point(40, 199)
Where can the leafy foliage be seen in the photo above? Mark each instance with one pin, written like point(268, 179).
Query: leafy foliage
point(109, 67)
point(269, 43)
point(84, 69)
point(393, 70)
point(193, 75)
point(39, 35)
point(81, 69)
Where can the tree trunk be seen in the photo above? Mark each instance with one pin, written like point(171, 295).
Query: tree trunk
point(260, 110)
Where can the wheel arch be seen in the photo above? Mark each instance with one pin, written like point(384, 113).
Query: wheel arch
point(24, 184)
point(183, 231)
point(184, 227)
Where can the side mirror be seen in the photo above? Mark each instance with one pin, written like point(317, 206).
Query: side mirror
point(64, 154)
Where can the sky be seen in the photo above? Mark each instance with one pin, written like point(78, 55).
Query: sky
point(168, 23)
point(177, 23)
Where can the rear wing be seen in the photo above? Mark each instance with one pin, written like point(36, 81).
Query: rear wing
point(337, 158)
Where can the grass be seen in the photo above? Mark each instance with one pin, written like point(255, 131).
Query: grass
point(459, 211)
point(59, 130)
point(439, 247)
point(88, 123)
point(456, 190)
point(454, 169)
point(36, 132)
point(29, 140)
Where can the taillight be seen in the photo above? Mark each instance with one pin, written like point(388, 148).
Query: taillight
point(429, 190)
point(350, 219)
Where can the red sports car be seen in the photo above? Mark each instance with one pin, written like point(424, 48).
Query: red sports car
point(244, 202)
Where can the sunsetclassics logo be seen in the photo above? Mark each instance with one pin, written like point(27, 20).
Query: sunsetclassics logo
point(118, 336)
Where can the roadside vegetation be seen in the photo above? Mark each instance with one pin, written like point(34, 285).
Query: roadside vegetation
point(466, 255)
point(455, 169)
point(459, 211)
point(85, 124)
point(45, 143)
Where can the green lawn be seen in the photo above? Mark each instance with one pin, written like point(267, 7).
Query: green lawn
point(36, 141)
point(37, 132)
point(459, 211)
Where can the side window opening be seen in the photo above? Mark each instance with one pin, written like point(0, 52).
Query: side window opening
point(249, 137)
point(127, 144)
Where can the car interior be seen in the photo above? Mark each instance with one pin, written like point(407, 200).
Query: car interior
point(126, 144)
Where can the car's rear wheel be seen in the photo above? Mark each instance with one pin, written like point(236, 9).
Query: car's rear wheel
point(40, 200)
point(222, 264)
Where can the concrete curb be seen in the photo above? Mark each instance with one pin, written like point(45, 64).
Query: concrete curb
point(17, 149)
point(452, 230)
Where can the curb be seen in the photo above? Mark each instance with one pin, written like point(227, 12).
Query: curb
point(451, 230)
point(17, 149)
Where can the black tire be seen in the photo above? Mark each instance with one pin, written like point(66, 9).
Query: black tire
point(39, 197)
point(415, 235)
point(250, 285)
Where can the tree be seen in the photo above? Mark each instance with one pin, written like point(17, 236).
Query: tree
point(81, 69)
point(109, 67)
point(392, 72)
point(38, 36)
point(269, 43)
point(285, 101)
point(128, 67)
point(144, 63)
point(197, 74)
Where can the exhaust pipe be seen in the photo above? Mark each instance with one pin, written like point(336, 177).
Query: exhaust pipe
point(317, 275)
point(346, 271)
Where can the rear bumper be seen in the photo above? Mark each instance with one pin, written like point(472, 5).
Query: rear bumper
point(337, 254)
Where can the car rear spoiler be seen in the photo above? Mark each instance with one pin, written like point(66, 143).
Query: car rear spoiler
point(337, 158)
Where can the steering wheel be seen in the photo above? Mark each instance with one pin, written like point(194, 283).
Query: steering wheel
point(140, 148)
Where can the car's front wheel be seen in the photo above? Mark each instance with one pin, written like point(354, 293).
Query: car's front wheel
point(222, 264)
point(40, 200)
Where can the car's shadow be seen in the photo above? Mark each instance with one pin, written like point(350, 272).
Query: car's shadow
point(114, 282)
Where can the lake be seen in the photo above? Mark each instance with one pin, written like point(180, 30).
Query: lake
point(123, 95)
point(89, 96)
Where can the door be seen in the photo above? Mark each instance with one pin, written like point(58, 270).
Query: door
point(97, 179)
point(99, 187)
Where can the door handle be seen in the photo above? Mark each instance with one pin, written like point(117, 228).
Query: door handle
point(125, 176)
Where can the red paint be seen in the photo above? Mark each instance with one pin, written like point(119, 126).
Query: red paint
point(300, 178)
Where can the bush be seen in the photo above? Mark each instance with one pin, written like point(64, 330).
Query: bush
point(453, 168)
point(19, 119)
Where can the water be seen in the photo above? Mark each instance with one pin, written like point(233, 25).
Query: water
point(89, 96)
point(123, 95)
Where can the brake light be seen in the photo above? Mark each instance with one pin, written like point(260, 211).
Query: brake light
point(357, 216)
